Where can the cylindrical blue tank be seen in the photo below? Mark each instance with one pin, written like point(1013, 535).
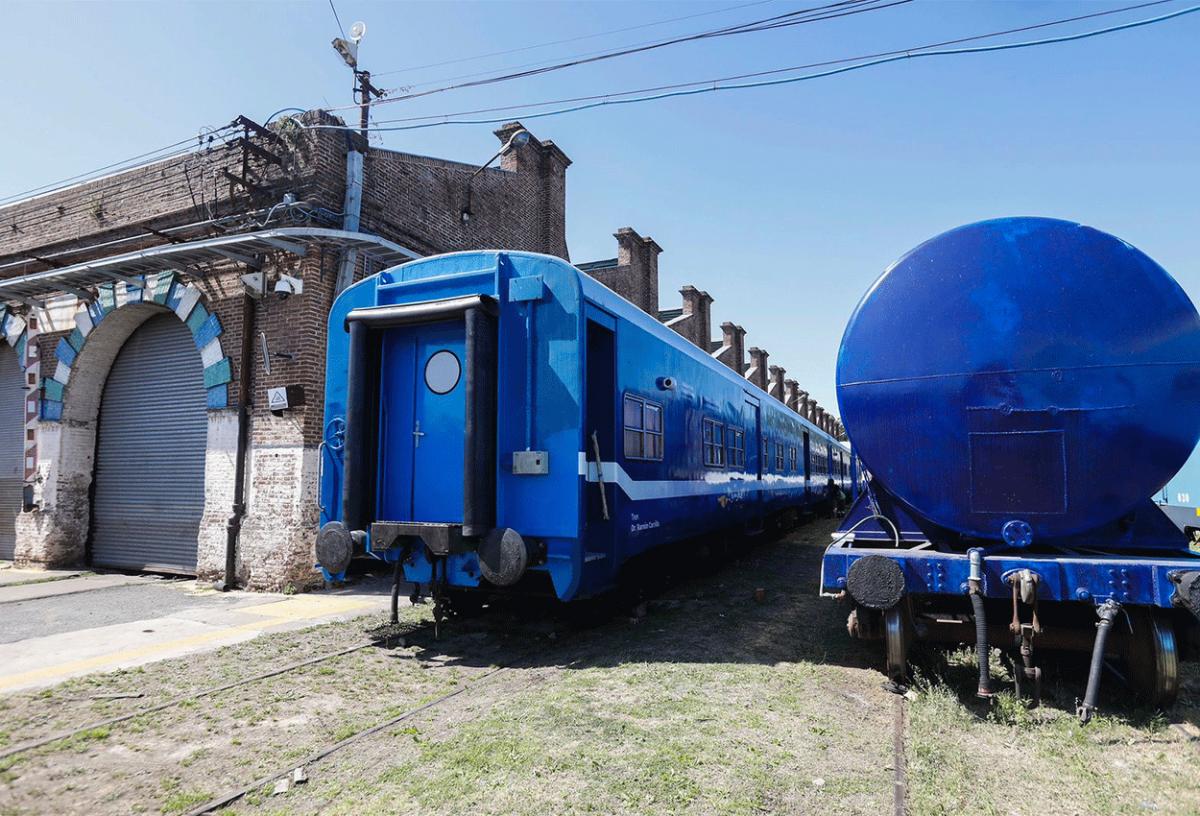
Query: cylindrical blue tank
point(1022, 370)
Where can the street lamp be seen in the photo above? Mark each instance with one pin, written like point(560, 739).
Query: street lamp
point(518, 139)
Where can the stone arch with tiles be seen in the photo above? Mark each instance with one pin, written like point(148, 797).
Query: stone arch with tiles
point(57, 531)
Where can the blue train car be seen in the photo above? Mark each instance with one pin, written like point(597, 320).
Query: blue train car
point(1019, 390)
point(500, 420)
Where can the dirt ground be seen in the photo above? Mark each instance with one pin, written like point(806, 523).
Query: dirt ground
point(712, 702)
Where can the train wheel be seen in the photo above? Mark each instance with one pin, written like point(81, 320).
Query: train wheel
point(1153, 657)
point(896, 639)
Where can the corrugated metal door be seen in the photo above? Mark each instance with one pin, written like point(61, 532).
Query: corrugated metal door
point(12, 447)
point(151, 440)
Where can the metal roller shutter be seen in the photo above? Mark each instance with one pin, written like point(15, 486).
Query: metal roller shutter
point(12, 447)
point(151, 442)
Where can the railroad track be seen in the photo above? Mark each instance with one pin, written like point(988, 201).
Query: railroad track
point(58, 736)
point(229, 797)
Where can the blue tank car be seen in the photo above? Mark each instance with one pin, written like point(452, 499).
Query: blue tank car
point(1019, 389)
point(500, 421)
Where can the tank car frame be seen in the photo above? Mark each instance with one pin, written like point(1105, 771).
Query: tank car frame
point(500, 421)
point(909, 582)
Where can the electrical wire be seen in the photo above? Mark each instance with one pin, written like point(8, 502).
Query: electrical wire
point(337, 19)
point(773, 71)
point(843, 8)
point(82, 176)
point(536, 63)
point(912, 54)
point(814, 14)
point(477, 57)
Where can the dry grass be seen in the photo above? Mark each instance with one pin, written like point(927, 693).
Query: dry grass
point(712, 703)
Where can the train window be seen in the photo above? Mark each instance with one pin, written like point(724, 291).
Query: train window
point(714, 443)
point(793, 455)
point(442, 372)
point(766, 461)
point(643, 423)
point(736, 438)
point(779, 456)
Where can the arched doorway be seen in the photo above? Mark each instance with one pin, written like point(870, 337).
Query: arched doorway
point(12, 447)
point(150, 449)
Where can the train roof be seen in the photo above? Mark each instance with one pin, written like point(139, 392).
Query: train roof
point(606, 298)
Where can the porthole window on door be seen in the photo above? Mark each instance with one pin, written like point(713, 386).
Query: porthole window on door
point(442, 371)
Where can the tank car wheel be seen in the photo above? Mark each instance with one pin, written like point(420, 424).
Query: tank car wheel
point(896, 640)
point(1153, 657)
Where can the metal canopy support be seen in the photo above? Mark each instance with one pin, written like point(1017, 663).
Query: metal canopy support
point(183, 257)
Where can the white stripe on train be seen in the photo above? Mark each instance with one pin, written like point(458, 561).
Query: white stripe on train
point(713, 484)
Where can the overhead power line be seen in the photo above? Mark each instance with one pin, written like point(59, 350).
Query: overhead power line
point(915, 53)
point(115, 166)
point(592, 36)
point(337, 19)
point(773, 71)
point(843, 8)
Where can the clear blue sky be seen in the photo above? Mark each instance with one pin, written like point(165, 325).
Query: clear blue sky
point(783, 203)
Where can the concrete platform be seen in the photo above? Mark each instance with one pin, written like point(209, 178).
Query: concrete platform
point(79, 625)
point(11, 575)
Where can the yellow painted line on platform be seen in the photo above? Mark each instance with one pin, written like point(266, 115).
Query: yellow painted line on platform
point(278, 613)
point(306, 606)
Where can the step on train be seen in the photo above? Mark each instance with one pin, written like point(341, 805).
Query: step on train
point(1018, 389)
point(500, 421)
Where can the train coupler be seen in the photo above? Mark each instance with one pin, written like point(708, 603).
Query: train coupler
point(1026, 675)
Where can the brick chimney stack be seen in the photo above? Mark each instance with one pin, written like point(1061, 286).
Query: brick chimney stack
point(733, 344)
point(776, 384)
point(819, 421)
point(640, 256)
point(802, 403)
point(791, 393)
point(757, 371)
point(696, 324)
point(549, 164)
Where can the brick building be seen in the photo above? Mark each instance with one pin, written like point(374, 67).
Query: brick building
point(150, 314)
point(135, 342)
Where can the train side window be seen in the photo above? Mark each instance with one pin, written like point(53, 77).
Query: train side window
point(643, 424)
point(793, 455)
point(714, 443)
point(779, 456)
point(766, 460)
point(736, 439)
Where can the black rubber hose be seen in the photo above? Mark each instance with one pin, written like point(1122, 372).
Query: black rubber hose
point(982, 651)
point(1108, 613)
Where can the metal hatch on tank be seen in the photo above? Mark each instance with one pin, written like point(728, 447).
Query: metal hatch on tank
point(1018, 389)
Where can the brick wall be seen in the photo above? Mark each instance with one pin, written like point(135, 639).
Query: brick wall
point(414, 201)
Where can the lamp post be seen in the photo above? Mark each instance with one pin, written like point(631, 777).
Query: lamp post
point(519, 138)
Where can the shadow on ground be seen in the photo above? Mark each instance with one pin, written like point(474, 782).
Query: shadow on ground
point(688, 610)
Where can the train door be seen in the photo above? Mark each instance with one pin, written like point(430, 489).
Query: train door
point(752, 421)
point(601, 497)
point(422, 416)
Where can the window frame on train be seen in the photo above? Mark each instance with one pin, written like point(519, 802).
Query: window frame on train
point(640, 432)
point(713, 437)
point(736, 442)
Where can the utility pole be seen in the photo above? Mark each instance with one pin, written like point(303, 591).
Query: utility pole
point(356, 153)
point(365, 92)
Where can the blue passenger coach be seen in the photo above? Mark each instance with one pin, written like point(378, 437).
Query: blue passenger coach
point(500, 419)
